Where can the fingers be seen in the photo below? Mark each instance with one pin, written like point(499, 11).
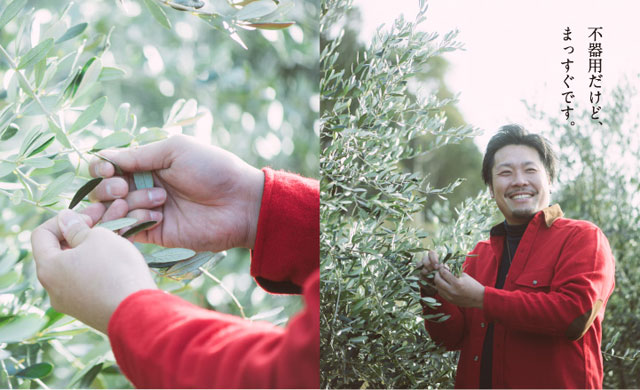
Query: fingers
point(150, 157)
point(118, 209)
point(73, 226)
point(110, 189)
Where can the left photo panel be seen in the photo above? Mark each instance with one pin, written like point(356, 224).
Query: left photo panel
point(159, 194)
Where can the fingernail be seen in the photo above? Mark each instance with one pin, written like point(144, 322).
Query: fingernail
point(110, 192)
point(104, 166)
point(156, 195)
point(155, 215)
point(68, 218)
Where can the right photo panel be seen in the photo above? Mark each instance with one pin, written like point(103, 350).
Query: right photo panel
point(480, 212)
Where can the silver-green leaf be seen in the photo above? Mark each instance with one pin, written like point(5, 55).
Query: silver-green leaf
point(89, 115)
point(143, 180)
point(115, 140)
point(118, 224)
point(158, 13)
point(36, 54)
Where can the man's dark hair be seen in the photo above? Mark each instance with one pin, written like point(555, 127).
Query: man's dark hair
point(516, 135)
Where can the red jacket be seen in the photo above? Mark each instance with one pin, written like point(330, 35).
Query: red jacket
point(161, 341)
point(548, 318)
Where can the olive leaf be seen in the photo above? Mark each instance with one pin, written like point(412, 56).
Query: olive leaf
point(189, 3)
point(138, 228)
point(143, 180)
point(256, 9)
point(89, 115)
point(11, 11)
point(190, 268)
point(58, 185)
point(9, 132)
point(115, 140)
point(158, 13)
point(84, 191)
point(36, 54)
point(118, 224)
point(271, 25)
point(168, 257)
point(39, 145)
point(72, 32)
point(38, 370)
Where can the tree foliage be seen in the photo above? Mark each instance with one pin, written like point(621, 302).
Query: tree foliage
point(371, 321)
point(106, 74)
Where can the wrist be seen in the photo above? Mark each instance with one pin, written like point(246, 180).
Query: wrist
point(256, 187)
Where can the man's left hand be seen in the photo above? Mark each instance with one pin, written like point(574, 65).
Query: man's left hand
point(464, 291)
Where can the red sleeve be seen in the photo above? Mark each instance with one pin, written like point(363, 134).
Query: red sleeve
point(161, 341)
point(449, 332)
point(287, 247)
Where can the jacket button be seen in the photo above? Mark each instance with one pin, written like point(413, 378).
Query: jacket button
point(475, 358)
point(535, 282)
point(482, 324)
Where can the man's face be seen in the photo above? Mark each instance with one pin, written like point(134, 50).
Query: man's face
point(519, 184)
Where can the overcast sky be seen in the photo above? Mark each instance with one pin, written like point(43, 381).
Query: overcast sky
point(514, 49)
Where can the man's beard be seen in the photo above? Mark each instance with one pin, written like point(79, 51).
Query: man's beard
point(527, 213)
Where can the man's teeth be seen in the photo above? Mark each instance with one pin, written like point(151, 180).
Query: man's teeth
point(521, 196)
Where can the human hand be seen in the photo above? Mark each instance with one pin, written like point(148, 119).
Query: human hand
point(98, 271)
point(463, 291)
point(429, 264)
point(205, 197)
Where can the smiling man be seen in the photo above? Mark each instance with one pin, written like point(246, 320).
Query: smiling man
point(528, 310)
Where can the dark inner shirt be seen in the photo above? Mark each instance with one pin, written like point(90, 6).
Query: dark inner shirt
point(514, 234)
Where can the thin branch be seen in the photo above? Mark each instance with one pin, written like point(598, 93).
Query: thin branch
point(204, 271)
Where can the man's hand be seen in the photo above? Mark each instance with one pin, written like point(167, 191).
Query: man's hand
point(205, 197)
point(464, 291)
point(429, 264)
point(89, 280)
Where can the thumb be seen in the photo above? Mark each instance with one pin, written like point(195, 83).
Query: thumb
point(148, 157)
point(74, 227)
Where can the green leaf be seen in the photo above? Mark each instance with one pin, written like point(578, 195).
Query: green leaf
point(118, 224)
point(53, 316)
point(110, 73)
point(256, 9)
point(89, 115)
point(36, 371)
point(40, 69)
point(189, 269)
point(152, 135)
point(11, 11)
point(40, 144)
point(121, 116)
point(138, 228)
point(20, 328)
point(38, 162)
point(6, 167)
point(88, 378)
point(168, 257)
point(84, 191)
point(9, 279)
point(271, 25)
point(29, 139)
point(60, 135)
point(190, 3)
point(143, 180)
point(90, 74)
point(36, 54)
point(115, 140)
point(158, 13)
point(9, 132)
point(56, 187)
point(72, 32)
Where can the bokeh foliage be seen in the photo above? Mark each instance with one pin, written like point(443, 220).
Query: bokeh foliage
point(140, 82)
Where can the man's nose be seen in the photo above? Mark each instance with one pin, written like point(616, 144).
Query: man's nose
point(519, 179)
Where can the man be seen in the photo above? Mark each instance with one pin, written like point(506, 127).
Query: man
point(205, 199)
point(528, 310)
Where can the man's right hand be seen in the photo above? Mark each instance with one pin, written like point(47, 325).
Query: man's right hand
point(205, 197)
point(429, 264)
